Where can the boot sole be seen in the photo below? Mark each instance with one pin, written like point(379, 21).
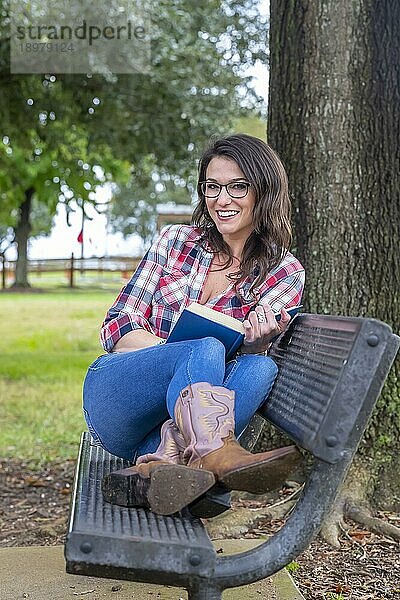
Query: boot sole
point(168, 489)
point(261, 477)
point(173, 487)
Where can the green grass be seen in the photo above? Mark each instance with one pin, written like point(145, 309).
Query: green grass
point(293, 567)
point(47, 342)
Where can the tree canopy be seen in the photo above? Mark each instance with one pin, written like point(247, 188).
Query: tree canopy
point(58, 129)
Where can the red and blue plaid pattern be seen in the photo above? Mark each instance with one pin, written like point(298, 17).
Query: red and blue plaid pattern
point(171, 275)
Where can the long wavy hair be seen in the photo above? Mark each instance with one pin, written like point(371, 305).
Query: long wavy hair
point(272, 235)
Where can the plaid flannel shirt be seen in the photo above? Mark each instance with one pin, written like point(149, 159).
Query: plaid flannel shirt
point(171, 275)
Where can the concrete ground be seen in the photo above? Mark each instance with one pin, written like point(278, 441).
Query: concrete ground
point(38, 573)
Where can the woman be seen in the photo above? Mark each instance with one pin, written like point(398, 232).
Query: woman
point(178, 407)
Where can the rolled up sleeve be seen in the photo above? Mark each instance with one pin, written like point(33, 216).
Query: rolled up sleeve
point(132, 308)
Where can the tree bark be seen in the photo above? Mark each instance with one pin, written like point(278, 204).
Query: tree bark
point(334, 117)
point(22, 232)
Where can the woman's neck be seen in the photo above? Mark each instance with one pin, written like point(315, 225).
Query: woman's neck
point(220, 259)
point(236, 248)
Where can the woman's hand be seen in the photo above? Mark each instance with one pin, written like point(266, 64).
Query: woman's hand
point(260, 327)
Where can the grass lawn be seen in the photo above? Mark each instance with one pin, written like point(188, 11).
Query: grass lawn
point(46, 344)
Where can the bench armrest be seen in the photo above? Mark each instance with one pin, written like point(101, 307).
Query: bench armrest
point(294, 537)
point(362, 364)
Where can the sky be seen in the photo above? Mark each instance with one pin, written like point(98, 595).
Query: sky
point(98, 241)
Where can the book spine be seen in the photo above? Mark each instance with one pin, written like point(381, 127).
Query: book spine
point(234, 346)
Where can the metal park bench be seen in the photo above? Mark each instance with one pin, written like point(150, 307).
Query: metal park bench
point(331, 371)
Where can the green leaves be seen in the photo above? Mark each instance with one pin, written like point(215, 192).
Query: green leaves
point(67, 134)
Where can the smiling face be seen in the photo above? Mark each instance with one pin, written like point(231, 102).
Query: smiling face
point(233, 217)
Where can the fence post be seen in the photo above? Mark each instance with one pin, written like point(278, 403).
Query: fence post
point(3, 271)
point(71, 271)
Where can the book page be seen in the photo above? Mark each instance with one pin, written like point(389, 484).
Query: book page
point(217, 317)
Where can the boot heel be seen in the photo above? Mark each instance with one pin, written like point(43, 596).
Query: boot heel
point(173, 487)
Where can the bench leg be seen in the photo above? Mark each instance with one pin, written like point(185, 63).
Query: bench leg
point(204, 591)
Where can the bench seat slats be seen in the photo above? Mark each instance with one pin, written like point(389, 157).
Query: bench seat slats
point(104, 538)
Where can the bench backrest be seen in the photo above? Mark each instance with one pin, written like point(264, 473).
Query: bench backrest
point(328, 372)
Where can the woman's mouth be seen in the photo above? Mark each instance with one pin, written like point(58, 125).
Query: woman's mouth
point(225, 215)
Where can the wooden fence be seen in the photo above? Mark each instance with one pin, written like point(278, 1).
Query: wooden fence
point(72, 265)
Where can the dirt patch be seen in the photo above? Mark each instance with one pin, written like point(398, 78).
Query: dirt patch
point(365, 568)
point(34, 505)
point(34, 509)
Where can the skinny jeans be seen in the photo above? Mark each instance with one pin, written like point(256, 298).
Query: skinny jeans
point(128, 395)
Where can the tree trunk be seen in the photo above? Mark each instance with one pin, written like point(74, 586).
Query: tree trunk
point(334, 117)
point(22, 232)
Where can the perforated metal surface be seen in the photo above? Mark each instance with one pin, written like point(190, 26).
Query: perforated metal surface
point(102, 535)
point(310, 362)
point(312, 399)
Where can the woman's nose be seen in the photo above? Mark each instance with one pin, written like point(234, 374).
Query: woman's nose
point(224, 198)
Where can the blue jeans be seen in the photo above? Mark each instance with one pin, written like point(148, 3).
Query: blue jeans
point(128, 395)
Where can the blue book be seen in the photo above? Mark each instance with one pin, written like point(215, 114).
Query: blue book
point(198, 321)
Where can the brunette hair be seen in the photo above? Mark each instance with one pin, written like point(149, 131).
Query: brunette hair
point(268, 243)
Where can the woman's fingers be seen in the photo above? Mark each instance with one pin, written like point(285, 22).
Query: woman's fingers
point(285, 318)
point(254, 329)
point(271, 323)
point(248, 331)
point(256, 325)
point(262, 320)
point(260, 326)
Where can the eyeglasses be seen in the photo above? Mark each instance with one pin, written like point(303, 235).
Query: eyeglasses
point(235, 189)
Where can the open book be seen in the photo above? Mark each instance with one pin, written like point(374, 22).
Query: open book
point(199, 321)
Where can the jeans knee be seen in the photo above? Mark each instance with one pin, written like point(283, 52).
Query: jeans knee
point(271, 365)
point(258, 368)
point(210, 348)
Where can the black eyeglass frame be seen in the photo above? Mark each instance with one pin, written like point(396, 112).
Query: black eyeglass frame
point(224, 185)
